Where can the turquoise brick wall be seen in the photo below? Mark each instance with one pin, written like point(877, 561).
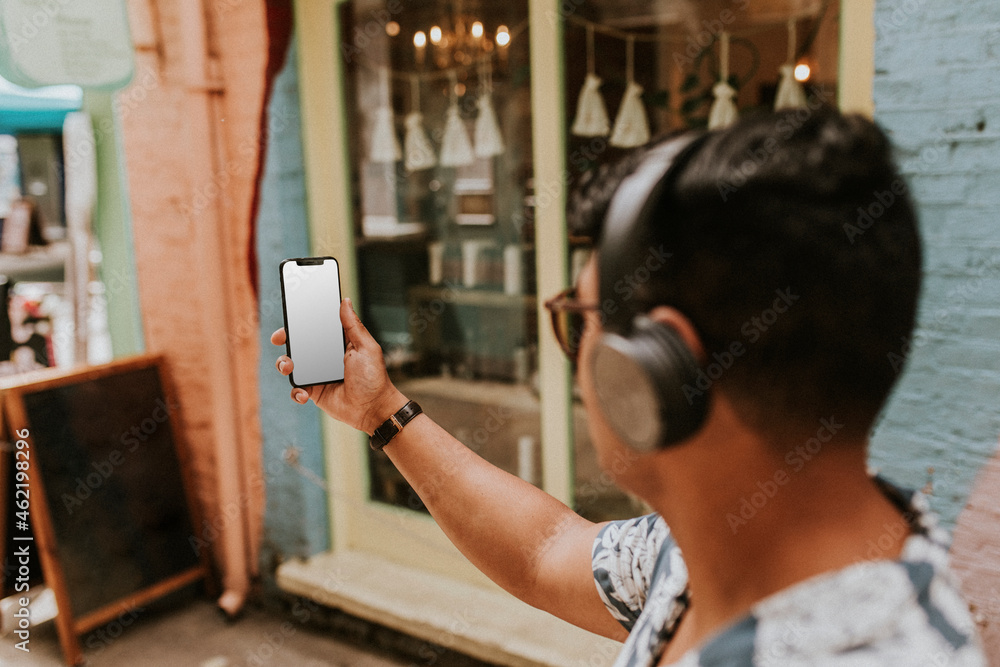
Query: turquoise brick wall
point(937, 68)
point(295, 523)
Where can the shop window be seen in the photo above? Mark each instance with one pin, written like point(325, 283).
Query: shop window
point(671, 58)
point(439, 111)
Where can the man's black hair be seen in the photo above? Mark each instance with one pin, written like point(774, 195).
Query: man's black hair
point(800, 211)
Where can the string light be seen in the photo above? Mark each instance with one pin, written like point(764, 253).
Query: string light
point(392, 28)
point(477, 29)
point(419, 39)
point(802, 72)
point(436, 35)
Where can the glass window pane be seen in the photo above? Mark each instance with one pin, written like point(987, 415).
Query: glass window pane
point(441, 155)
point(672, 51)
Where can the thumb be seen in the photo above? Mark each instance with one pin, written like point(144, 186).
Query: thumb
point(354, 329)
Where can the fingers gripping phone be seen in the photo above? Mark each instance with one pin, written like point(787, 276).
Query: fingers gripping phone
point(314, 336)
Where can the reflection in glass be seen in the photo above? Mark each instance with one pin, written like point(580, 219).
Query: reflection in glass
point(441, 164)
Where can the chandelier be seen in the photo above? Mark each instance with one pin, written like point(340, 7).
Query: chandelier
point(465, 42)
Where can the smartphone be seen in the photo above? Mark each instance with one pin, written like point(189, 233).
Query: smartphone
point(314, 336)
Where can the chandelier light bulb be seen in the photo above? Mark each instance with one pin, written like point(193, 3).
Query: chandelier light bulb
point(419, 39)
point(477, 29)
point(436, 35)
point(503, 36)
point(802, 72)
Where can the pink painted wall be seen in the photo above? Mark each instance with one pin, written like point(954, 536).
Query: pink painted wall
point(975, 555)
point(192, 149)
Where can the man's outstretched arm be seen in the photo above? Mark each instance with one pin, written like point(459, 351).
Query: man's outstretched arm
point(525, 540)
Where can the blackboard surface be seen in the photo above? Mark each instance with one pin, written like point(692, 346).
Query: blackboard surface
point(113, 483)
point(110, 511)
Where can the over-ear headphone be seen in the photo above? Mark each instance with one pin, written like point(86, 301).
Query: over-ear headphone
point(640, 367)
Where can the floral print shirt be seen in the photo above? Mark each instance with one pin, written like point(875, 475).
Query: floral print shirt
point(878, 612)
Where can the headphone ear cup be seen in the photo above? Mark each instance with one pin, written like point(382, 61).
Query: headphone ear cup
point(639, 381)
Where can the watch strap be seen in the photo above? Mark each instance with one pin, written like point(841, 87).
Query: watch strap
point(393, 425)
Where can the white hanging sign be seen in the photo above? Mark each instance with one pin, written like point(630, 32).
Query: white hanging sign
point(82, 42)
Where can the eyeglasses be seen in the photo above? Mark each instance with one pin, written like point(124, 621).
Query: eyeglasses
point(567, 320)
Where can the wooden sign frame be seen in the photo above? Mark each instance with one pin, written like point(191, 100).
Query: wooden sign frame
point(13, 391)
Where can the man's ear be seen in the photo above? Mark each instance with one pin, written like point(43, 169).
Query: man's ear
point(677, 321)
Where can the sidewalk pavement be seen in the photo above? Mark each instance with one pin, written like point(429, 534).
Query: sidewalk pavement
point(197, 634)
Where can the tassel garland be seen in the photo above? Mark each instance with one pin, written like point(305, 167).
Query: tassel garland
point(630, 127)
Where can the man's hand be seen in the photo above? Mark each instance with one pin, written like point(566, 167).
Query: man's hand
point(366, 397)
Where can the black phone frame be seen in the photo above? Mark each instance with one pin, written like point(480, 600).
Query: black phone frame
point(309, 261)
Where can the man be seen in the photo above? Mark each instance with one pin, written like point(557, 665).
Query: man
point(738, 323)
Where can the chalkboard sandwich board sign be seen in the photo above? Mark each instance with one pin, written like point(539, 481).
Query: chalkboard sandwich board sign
point(111, 508)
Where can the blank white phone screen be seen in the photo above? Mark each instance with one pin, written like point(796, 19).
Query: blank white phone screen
point(312, 319)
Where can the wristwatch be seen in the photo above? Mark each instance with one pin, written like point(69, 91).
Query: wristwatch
point(393, 425)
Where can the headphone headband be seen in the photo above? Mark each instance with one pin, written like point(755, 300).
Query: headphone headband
point(625, 227)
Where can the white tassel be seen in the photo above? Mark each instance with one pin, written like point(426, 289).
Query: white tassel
point(791, 94)
point(488, 139)
point(631, 125)
point(591, 115)
point(384, 146)
point(416, 144)
point(723, 112)
point(417, 149)
point(489, 142)
point(456, 149)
